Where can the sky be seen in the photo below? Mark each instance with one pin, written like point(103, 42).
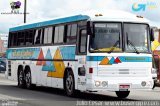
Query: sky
point(44, 9)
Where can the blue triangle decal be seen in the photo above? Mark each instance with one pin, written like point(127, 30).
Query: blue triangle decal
point(112, 61)
point(49, 64)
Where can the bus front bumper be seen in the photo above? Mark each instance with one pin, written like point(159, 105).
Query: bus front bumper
point(119, 84)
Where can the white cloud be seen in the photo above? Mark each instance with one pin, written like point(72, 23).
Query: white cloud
point(40, 9)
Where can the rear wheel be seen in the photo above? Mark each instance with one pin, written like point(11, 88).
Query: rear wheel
point(21, 81)
point(122, 94)
point(69, 83)
point(28, 80)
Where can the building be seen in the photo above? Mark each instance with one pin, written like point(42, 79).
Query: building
point(3, 44)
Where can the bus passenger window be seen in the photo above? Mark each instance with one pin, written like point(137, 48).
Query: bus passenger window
point(45, 35)
point(71, 33)
point(21, 38)
point(13, 39)
point(83, 41)
point(59, 34)
point(48, 35)
point(56, 35)
point(38, 36)
point(29, 37)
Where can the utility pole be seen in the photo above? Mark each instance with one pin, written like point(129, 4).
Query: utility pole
point(25, 10)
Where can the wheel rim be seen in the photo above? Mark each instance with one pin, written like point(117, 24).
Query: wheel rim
point(69, 83)
point(21, 78)
point(28, 79)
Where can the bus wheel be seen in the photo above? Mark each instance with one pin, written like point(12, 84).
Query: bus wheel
point(21, 81)
point(69, 83)
point(122, 94)
point(28, 79)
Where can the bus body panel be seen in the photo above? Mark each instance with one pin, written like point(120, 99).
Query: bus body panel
point(47, 64)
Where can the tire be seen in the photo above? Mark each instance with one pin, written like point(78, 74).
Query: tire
point(122, 94)
point(28, 80)
point(21, 81)
point(69, 83)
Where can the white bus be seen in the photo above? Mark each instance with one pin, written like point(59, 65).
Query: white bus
point(98, 51)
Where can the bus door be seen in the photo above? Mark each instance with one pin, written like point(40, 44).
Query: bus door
point(81, 57)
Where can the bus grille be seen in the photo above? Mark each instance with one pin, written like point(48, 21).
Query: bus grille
point(122, 72)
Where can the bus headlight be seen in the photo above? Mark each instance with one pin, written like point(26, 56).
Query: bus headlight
point(104, 83)
point(97, 83)
point(143, 83)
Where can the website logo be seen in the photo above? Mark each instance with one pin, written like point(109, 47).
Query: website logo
point(15, 6)
point(143, 6)
point(138, 7)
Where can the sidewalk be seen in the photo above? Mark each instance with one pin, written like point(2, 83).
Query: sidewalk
point(2, 75)
point(5, 81)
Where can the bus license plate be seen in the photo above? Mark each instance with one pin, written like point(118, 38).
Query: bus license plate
point(124, 87)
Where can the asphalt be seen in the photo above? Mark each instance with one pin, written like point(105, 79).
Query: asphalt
point(44, 96)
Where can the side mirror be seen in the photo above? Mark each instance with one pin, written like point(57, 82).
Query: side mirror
point(152, 34)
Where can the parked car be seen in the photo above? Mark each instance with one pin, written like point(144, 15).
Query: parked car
point(2, 65)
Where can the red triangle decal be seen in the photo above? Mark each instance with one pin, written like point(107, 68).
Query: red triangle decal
point(117, 60)
point(41, 56)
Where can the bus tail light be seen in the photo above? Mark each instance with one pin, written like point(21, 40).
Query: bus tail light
point(90, 70)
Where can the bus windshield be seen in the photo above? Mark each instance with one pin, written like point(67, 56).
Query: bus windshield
point(136, 37)
point(106, 38)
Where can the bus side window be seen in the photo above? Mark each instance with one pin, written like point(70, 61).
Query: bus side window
point(29, 37)
point(83, 41)
point(45, 36)
point(71, 33)
point(15, 39)
point(56, 35)
point(38, 36)
point(21, 39)
point(48, 33)
point(12, 39)
point(59, 34)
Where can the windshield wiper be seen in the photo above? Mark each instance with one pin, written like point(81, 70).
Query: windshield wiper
point(113, 47)
point(129, 42)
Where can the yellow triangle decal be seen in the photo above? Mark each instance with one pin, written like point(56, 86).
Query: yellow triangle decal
point(105, 61)
point(59, 66)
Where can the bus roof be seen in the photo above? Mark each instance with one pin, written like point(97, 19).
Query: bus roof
point(94, 15)
point(50, 22)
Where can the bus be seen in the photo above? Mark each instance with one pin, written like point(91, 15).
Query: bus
point(89, 52)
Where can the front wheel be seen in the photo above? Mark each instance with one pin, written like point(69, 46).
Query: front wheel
point(69, 83)
point(122, 94)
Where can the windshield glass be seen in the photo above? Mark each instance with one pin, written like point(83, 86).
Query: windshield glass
point(107, 38)
point(136, 37)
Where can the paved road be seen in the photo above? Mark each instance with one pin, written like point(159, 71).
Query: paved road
point(42, 96)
